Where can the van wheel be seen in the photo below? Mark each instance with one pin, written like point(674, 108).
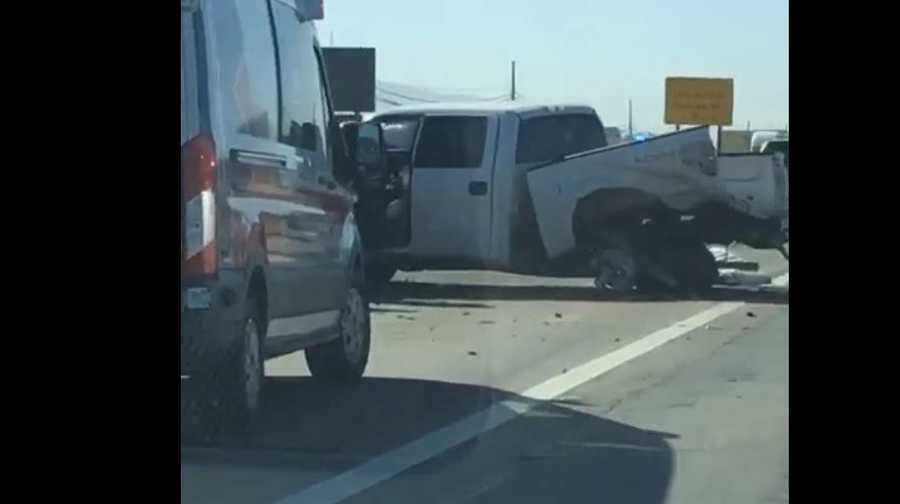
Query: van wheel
point(344, 359)
point(378, 275)
point(237, 383)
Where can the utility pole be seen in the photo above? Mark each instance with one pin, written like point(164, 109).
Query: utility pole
point(748, 125)
point(630, 131)
point(512, 93)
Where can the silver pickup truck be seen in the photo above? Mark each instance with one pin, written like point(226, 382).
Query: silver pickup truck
point(537, 190)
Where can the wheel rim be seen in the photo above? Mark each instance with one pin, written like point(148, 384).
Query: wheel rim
point(252, 365)
point(353, 325)
point(615, 271)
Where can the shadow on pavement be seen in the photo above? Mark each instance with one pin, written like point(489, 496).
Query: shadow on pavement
point(412, 293)
point(550, 451)
point(446, 304)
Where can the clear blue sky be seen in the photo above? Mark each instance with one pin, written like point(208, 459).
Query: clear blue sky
point(594, 51)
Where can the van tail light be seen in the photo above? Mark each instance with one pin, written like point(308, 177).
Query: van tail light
point(198, 219)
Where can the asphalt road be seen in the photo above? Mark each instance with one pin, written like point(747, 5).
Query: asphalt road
point(487, 387)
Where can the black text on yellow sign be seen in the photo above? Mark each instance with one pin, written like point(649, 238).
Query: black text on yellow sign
point(691, 100)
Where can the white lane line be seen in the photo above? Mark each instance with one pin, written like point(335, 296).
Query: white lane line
point(388, 465)
point(561, 384)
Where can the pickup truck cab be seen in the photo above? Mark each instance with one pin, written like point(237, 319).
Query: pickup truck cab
point(458, 183)
point(537, 190)
point(271, 256)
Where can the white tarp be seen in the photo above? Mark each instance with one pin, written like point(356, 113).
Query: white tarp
point(390, 95)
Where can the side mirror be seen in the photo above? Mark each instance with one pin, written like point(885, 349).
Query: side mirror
point(369, 144)
point(343, 140)
point(349, 132)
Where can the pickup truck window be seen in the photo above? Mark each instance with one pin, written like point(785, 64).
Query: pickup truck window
point(451, 142)
point(551, 137)
point(399, 133)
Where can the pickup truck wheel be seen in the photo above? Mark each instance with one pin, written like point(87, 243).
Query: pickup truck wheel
point(344, 359)
point(615, 270)
point(692, 265)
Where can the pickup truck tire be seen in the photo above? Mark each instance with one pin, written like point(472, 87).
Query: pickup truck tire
point(691, 264)
point(615, 270)
point(344, 359)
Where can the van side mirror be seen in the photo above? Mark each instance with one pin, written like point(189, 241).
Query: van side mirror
point(369, 144)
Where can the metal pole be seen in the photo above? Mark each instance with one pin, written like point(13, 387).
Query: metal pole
point(718, 139)
point(677, 127)
point(512, 95)
point(630, 131)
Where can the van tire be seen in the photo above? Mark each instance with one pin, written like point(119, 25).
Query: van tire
point(235, 383)
point(344, 359)
point(378, 276)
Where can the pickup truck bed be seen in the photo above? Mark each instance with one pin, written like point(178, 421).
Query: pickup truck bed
point(729, 198)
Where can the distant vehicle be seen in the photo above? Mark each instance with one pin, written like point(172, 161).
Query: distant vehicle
point(538, 190)
point(637, 136)
point(735, 141)
point(271, 260)
point(773, 146)
point(761, 137)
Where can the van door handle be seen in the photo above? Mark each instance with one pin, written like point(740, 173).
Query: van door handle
point(477, 188)
point(258, 158)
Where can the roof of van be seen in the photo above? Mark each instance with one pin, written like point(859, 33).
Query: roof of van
point(486, 107)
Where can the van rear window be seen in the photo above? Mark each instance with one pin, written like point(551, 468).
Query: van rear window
point(451, 142)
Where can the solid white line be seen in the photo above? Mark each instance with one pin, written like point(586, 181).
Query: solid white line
point(388, 465)
point(561, 384)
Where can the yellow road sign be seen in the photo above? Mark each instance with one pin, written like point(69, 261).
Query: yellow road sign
point(699, 101)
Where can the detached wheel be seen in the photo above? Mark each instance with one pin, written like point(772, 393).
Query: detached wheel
point(344, 359)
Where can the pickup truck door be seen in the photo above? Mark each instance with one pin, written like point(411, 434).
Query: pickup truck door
point(452, 187)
